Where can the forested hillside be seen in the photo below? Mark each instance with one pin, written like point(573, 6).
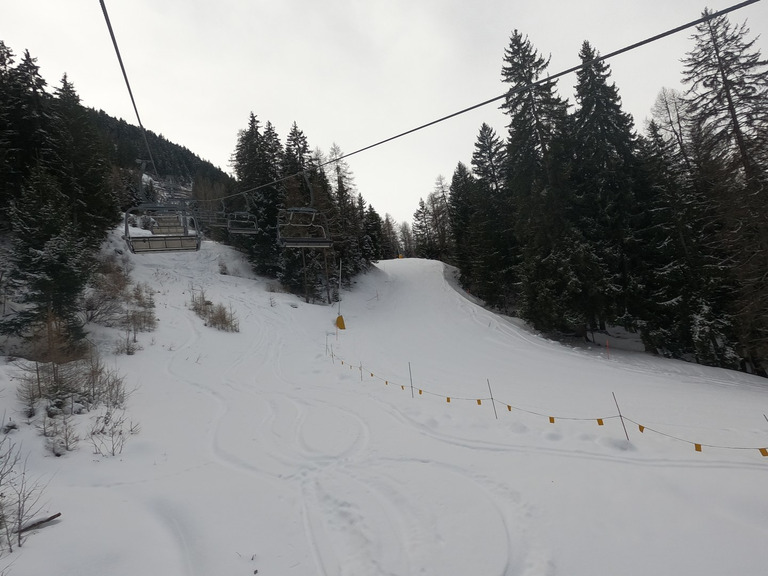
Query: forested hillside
point(67, 172)
point(577, 219)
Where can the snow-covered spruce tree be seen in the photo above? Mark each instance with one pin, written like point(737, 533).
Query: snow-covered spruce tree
point(685, 286)
point(495, 248)
point(373, 235)
point(80, 167)
point(538, 188)
point(603, 175)
point(51, 265)
point(25, 139)
point(257, 163)
point(727, 101)
point(462, 207)
point(422, 231)
point(390, 241)
point(430, 225)
point(7, 133)
point(344, 217)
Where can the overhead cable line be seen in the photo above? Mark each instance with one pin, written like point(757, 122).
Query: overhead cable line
point(521, 87)
point(127, 83)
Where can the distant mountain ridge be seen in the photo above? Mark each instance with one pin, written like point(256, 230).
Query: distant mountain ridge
point(124, 145)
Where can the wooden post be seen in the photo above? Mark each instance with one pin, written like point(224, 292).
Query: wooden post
point(410, 374)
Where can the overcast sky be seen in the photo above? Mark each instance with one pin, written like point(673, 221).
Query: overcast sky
point(350, 72)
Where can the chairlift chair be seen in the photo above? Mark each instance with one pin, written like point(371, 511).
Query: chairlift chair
point(305, 227)
point(167, 229)
point(302, 228)
point(242, 223)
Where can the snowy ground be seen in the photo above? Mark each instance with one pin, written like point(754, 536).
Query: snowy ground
point(295, 449)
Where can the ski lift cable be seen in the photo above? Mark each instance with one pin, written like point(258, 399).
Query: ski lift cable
point(519, 88)
point(127, 83)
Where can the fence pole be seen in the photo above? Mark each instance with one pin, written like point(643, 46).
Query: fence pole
point(492, 400)
point(620, 416)
point(410, 374)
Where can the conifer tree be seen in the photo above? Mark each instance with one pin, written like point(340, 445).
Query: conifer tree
point(390, 243)
point(51, 261)
point(407, 242)
point(257, 164)
point(462, 208)
point(728, 103)
point(489, 159)
point(348, 221)
point(441, 219)
point(493, 238)
point(423, 238)
point(8, 179)
point(537, 185)
point(602, 178)
point(686, 282)
point(373, 235)
point(25, 140)
point(80, 167)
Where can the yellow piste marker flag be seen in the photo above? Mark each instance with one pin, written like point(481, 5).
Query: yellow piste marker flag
point(479, 402)
point(641, 427)
point(551, 419)
point(698, 447)
point(420, 391)
point(371, 374)
point(448, 399)
point(764, 451)
point(340, 323)
point(402, 387)
point(509, 408)
point(599, 421)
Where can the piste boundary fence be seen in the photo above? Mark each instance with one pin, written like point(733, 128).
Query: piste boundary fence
point(497, 403)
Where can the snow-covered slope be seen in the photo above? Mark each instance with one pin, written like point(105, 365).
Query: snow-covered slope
point(295, 449)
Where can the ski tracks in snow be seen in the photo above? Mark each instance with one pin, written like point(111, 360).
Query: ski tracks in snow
point(364, 508)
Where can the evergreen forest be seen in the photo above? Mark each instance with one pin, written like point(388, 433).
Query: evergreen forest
point(574, 219)
point(67, 172)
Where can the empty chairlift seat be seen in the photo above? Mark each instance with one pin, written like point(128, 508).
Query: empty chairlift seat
point(161, 228)
point(302, 228)
point(242, 223)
